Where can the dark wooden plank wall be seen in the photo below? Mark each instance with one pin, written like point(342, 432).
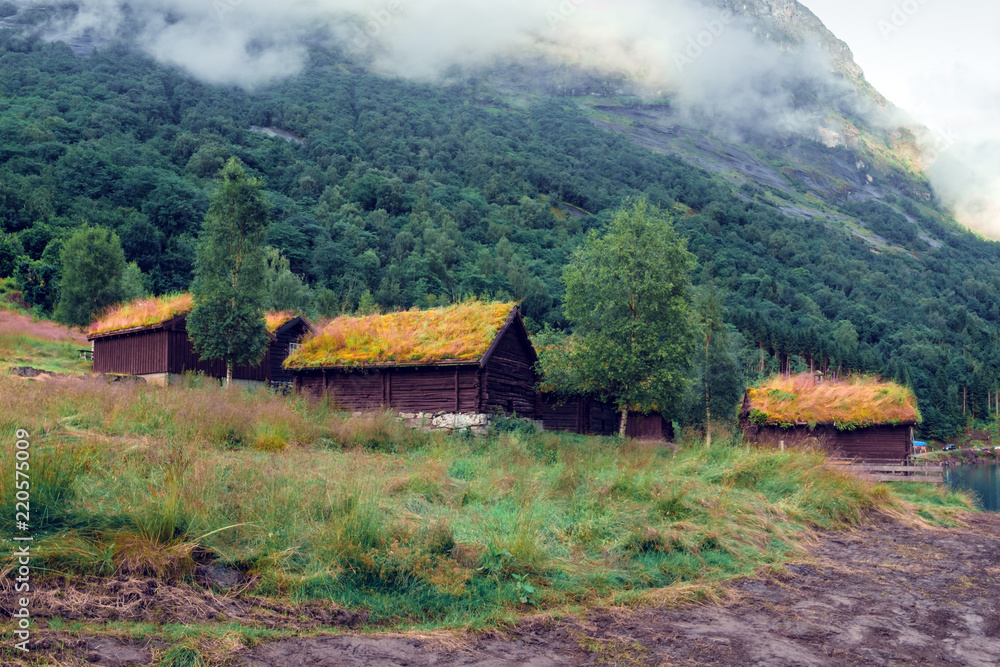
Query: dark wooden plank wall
point(418, 389)
point(184, 359)
point(139, 353)
point(649, 427)
point(279, 351)
point(510, 377)
point(583, 415)
point(561, 417)
point(604, 418)
point(876, 444)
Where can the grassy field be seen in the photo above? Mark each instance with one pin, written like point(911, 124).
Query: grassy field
point(417, 529)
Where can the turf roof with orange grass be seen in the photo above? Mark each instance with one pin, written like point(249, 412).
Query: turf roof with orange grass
point(462, 332)
point(141, 313)
point(855, 402)
point(276, 320)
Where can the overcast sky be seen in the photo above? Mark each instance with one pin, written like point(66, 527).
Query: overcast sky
point(938, 59)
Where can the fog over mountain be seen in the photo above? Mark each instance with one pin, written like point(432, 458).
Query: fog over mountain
point(706, 55)
point(755, 70)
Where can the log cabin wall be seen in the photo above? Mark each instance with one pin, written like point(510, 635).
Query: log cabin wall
point(137, 353)
point(876, 444)
point(510, 376)
point(445, 389)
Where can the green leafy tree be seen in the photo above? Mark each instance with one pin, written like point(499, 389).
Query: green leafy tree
point(93, 264)
point(9, 252)
point(286, 291)
point(38, 283)
point(628, 299)
point(230, 287)
point(135, 284)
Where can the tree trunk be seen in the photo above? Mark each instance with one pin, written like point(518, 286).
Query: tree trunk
point(229, 372)
point(708, 410)
point(624, 424)
point(708, 427)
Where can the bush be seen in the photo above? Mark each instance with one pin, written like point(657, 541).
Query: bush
point(501, 423)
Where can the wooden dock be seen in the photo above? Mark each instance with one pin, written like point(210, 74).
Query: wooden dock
point(899, 473)
point(893, 471)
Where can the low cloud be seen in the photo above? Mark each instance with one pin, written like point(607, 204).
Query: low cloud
point(720, 71)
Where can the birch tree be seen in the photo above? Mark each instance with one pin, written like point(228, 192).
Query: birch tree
point(230, 281)
point(628, 299)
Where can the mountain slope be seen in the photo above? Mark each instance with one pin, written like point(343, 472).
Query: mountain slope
point(421, 194)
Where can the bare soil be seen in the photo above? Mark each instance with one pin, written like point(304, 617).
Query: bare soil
point(885, 594)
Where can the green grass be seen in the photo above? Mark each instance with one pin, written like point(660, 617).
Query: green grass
point(421, 530)
point(54, 356)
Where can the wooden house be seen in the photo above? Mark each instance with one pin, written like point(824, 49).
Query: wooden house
point(472, 358)
point(857, 418)
point(289, 330)
point(149, 338)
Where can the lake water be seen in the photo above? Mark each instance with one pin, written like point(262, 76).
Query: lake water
point(983, 480)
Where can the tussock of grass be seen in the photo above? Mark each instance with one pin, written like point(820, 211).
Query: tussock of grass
point(411, 526)
point(460, 332)
point(142, 313)
point(857, 402)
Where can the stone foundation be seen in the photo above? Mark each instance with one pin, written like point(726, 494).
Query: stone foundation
point(450, 422)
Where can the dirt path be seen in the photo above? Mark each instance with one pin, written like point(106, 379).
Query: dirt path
point(882, 595)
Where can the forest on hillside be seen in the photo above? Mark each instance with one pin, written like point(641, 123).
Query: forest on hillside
point(403, 194)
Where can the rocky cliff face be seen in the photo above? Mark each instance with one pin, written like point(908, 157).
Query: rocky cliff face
point(789, 23)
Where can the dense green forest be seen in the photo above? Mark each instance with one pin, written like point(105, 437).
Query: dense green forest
point(409, 194)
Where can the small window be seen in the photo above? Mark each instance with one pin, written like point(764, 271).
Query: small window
point(293, 347)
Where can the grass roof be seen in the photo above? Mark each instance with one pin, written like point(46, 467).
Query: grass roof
point(276, 320)
point(153, 311)
point(141, 313)
point(856, 402)
point(461, 332)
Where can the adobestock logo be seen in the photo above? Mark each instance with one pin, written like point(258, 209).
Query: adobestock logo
point(376, 22)
point(224, 7)
point(698, 44)
point(901, 15)
point(565, 11)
